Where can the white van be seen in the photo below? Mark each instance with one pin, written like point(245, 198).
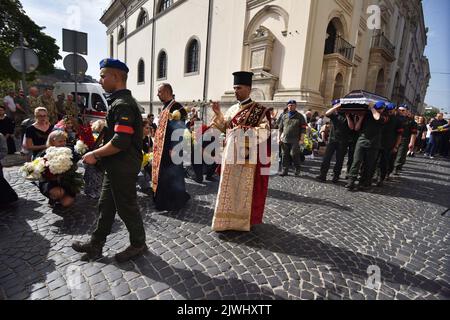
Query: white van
point(92, 98)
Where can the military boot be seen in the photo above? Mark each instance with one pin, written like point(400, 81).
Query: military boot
point(350, 185)
point(130, 253)
point(335, 179)
point(298, 171)
point(284, 173)
point(92, 249)
point(321, 178)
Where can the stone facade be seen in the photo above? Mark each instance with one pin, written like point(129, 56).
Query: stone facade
point(311, 51)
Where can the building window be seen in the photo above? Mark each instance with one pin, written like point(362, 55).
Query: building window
point(121, 33)
point(162, 65)
point(111, 46)
point(142, 19)
point(192, 56)
point(141, 71)
point(164, 5)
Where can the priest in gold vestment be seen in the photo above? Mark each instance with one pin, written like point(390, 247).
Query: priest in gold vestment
point(243, 185)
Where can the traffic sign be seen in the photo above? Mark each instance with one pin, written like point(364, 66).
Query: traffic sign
point(74, 41)
point(75, 64)
point(17, 60)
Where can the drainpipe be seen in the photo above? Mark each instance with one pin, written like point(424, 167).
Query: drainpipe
point(152, 58)
point(126, 29)
point(208, 49)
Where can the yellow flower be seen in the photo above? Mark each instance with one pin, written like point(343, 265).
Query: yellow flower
point(146, 159)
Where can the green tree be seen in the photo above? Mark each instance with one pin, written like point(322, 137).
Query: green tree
point(430, 114)
point(14, 20)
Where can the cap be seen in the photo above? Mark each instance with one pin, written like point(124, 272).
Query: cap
point(114, 64)
point(391, 106)
point(403, 106)
point(380, 105)
point(243, 78)
point(292, 102)
point(335, 102)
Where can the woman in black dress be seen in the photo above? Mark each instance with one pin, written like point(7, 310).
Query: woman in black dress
point(7, 129)
point(37, 134)
point(421, 143)
point(7, 194)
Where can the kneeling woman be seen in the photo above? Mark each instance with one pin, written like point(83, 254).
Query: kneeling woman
point(57, 191)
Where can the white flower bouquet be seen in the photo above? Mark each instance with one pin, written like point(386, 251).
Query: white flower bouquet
point(81, 148)
point(33, 170)
point(55, 164)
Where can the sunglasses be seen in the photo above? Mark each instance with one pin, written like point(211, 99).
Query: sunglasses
point(42, 115)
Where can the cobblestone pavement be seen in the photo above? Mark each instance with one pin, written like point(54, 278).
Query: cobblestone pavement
point(318, 242)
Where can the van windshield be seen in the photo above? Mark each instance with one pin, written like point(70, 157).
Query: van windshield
point(97, 103)
point(83, 100)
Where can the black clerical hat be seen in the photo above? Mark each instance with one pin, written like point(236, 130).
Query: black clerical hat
point(243, 78)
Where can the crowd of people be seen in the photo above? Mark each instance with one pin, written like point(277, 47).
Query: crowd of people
point(377, 142)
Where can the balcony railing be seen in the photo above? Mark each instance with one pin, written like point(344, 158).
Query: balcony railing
point(380, 41)
point(344, 48)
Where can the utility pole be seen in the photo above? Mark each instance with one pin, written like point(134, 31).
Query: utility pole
point(22, 47)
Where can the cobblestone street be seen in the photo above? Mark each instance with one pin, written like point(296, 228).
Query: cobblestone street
point(318, 242)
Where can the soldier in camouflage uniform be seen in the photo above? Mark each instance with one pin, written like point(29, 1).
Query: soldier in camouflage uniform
point(33, 101)
point(70, 107)
point(46, 101)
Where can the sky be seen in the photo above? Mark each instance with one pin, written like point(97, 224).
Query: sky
point(437, 19)
point(79, 15)
point(84, 15)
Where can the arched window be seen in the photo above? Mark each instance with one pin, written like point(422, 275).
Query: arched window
point(192, 56)
point(142, 19)
point(111, 46)
point(162, 65)
point(121, 33)
point(164, 5)
point(379, 89)
point(141, 71)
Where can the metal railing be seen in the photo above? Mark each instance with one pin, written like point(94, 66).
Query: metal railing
point(380, 41)
point(344, 48)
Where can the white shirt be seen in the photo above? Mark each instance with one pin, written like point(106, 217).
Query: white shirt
point(429, 129)
point(9, 102)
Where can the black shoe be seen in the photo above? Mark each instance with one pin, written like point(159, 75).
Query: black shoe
point(379, 183)
point(130, 253)
point(298, 172)
point(92, 249)
point(199, 180)
point(335, 179)
point(364, 186)
point(350, 185)
point(321, 178)
point(211, 179)
point(396, 172)
point(284, 173)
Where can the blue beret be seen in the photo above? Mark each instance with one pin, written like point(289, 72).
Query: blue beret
point(292, 102)
point(391, 106)
point(380, 105)
point(115, 64)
